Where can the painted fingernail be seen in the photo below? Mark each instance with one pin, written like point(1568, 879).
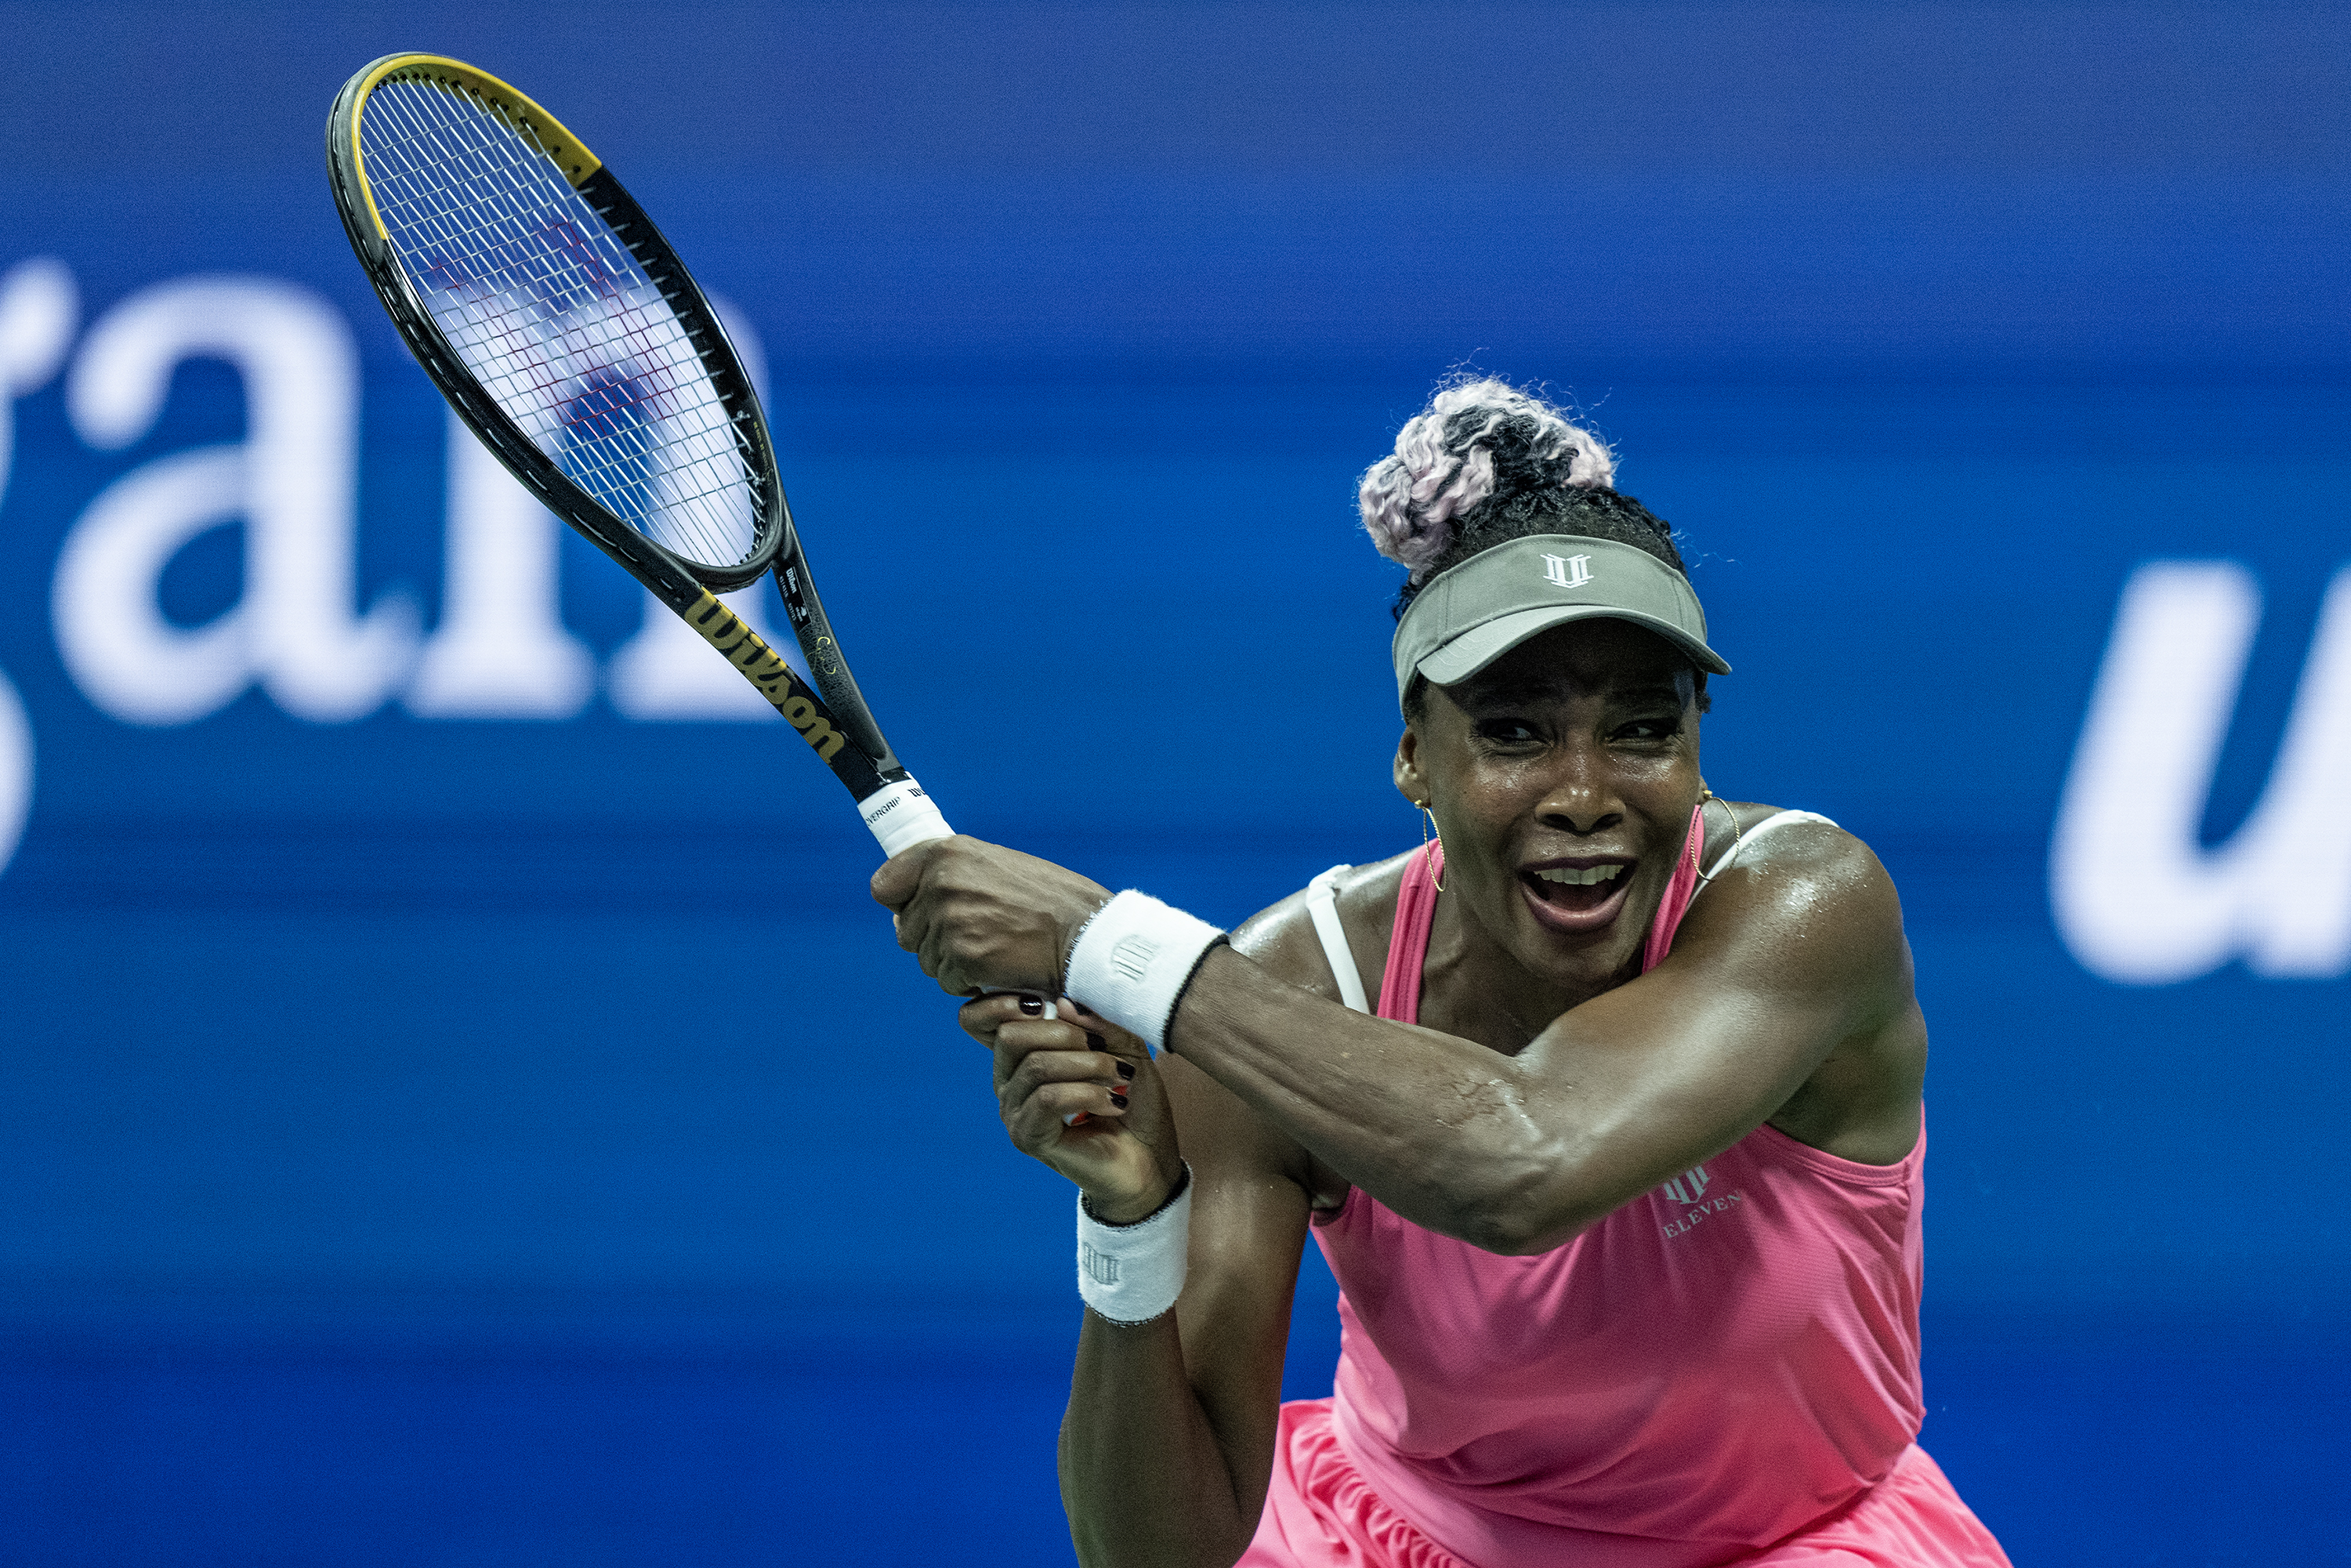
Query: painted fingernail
point(1126, 1071)
point(1118, 1099)
point(1032, 1006)
point(1096, 1041)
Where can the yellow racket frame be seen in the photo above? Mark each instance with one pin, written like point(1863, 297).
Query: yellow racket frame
point(518, 107)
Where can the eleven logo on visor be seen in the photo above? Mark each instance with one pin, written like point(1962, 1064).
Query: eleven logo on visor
point(1567, 570)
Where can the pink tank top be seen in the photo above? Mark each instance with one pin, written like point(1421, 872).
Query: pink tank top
point(1715, 1366)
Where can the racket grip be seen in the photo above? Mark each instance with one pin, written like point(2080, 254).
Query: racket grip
point(901, 816)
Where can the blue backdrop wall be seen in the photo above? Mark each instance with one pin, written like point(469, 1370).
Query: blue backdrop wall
point(358, 844)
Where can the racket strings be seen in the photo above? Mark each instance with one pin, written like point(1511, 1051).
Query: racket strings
point(557, 319)
point(608, 420)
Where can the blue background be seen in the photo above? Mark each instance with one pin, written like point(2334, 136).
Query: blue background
point(436, 1142)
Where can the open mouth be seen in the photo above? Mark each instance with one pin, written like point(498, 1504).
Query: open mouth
point(1578, 896)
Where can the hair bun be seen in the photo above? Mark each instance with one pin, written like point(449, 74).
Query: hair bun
point(1475, 440)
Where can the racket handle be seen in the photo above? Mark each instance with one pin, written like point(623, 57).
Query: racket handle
point(902, 816)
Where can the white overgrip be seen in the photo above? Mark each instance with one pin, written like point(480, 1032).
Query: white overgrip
point(902, 816)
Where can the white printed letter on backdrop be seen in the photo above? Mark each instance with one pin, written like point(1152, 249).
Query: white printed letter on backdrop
point(291, 480)
point(500, 650)
point(15, 769)
point(2135, 896)
point(39, 309)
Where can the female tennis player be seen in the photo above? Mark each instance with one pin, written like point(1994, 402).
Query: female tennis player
point(1621, 1184)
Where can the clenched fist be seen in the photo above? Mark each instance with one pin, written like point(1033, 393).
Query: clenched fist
point(984, 918)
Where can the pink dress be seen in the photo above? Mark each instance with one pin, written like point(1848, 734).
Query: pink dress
point(1723, 1371)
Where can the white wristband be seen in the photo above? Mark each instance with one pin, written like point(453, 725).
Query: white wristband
point(1131, 960)
point(1133, 1273)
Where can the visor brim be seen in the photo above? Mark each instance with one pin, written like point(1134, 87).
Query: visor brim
point(1479, 646)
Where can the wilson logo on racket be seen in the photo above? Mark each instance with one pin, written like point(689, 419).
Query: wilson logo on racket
point(748, 652)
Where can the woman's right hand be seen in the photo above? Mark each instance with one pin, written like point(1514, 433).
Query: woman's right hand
point(1122, 1153)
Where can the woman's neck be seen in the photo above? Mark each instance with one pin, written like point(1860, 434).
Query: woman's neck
point(1471, 986)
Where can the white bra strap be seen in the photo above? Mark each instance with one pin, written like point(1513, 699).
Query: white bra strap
point(1323, 903)
point(1777, 820)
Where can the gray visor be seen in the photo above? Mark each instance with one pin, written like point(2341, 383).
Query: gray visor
point(1471, 615)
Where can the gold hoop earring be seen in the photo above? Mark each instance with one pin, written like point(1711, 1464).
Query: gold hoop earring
point(1428, 824)
point(1737, 834)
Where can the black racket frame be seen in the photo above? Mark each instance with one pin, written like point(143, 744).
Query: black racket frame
point(863, 762)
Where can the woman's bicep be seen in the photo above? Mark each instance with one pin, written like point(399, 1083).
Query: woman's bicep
point(1669, 1069)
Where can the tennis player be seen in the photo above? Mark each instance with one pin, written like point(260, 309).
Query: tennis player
point(1621, 1183)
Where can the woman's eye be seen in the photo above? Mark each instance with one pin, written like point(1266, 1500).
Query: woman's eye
point(1506, 732)
point(1648, 729)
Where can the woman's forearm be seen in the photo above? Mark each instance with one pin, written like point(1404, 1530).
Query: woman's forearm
point(1450, 1134)
point(1145, 1477)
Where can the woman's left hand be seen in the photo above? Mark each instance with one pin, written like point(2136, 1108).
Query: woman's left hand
point(982, 917)
point(1083, 1096)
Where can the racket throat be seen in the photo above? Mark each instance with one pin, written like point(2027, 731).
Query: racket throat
point(826, 668)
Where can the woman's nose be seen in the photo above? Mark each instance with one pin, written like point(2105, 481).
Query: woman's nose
point(1578, 798)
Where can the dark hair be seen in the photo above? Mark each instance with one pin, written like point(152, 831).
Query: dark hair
point(1518, 512)
point(1486, 464)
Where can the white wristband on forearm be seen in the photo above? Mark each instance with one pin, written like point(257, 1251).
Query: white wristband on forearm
point(1133, 1273)
point(1133, 959)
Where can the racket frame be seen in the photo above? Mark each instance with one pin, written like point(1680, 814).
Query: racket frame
point(833, 716)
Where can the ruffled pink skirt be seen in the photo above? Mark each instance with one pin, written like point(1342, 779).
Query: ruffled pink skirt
point(1320, 1514)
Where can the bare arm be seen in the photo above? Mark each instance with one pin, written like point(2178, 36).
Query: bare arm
point(1516, 1154)
point(1167, 1443)
point(1770, 976)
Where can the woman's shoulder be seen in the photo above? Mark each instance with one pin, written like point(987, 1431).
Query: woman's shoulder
point(1763, 860)
point(1809, 904)
point(1282, 938)
point(1758, 837)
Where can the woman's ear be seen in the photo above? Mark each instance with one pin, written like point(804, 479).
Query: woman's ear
point(1408, 781)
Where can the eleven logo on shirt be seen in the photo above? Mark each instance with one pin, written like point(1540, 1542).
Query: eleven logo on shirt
point(1689, 1190)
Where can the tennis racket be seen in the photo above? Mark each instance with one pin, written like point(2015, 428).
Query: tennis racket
point(567, 333)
